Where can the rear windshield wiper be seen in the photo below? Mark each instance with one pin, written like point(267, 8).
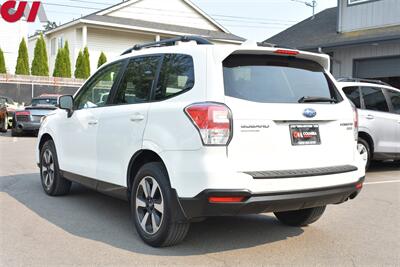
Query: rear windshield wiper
point(310, 99)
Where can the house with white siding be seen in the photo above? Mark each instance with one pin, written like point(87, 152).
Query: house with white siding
point(361, 36)
point(119, 27)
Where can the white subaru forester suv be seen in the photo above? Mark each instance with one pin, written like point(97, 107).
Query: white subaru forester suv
point(184, 130)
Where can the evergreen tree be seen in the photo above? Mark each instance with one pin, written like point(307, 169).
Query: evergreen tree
point(102, 60)
point(86, 63)
point(78, 66)
point(2, 63)
point(67, 60)
point(22, 67)
point(40, 65)
point(60, 69)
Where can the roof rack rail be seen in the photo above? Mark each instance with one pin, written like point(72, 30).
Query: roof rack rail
point(362, 80)
point(169, 42)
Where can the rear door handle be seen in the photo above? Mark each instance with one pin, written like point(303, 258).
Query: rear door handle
point(136, 117)
point(92, 123)
point(370, 117)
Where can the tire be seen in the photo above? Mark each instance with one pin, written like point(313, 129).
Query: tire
point(156, 206)
point(4, 125)
point(365, 151)
point(14, 133)
point(302, 217)
point(52, 181)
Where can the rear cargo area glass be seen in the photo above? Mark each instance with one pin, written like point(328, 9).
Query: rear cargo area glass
point(275, 79)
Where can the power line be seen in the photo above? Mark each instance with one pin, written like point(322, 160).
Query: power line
point(157, 9)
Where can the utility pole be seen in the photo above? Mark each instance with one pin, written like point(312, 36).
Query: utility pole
point(312, 4)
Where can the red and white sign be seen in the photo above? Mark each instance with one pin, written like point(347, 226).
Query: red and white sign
point(13, 11)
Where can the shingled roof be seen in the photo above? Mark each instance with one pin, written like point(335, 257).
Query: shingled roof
point(213, 35)
point(321, 31)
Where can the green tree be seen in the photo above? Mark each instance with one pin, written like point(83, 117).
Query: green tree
point(60, 67)
point(86, 63)
point(102, 60)
point(40, 65)
point(78, 66)
point(67, 60)
point(22, 67)
point(2, 62)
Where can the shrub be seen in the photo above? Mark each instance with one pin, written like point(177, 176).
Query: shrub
point(86, 63)
point(2, 62)
point(102, 60)
point(40, 65)
point(78, 66)
point(22, 67)
point(67, 60)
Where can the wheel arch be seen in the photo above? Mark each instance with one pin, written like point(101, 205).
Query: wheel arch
point(367, 137)
point(43, 139)
point(140, 158)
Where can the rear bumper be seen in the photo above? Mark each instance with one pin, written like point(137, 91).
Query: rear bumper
point(199, 206)
point(27, 126)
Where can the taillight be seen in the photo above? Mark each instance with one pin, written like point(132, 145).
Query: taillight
point(287, 52)
point(355, 122)
point(22, 113)
point(213, 121)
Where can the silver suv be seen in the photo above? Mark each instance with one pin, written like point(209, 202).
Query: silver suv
point(379, 117)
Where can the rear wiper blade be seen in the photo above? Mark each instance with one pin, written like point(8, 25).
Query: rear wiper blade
point(310, 99)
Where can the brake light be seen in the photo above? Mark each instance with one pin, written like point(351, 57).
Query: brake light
point(287, 52)
point(213, 121)
point(355, 122)
point(225, 199)
point(22, 113)
point(359, 186)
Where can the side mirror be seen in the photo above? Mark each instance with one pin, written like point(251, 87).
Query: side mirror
point(66, 102)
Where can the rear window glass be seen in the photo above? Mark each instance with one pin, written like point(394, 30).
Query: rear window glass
point(353, 93)
point(374, 99)
point(44, 101)
point(275, 79)
point(176, 76)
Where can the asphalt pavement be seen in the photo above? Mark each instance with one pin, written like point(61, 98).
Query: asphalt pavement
point(86, 228)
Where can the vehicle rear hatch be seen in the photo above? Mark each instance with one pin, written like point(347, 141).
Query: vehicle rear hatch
point(37, 112)
point(287, 114)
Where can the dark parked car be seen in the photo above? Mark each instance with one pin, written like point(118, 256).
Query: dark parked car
point(29, 119)
point(3, 116)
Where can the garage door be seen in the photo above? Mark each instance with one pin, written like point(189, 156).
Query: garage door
point(377, 67)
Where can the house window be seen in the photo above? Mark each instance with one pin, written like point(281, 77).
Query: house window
point(354, 2)
point(60, 42)
point(53, 46)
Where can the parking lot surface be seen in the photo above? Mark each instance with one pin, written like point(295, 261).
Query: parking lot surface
point(90, 229)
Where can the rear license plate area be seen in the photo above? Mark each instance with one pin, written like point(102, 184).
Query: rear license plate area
point(305, 134)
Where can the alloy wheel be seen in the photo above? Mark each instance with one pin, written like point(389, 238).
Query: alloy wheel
point(48, 169)
point(149, 205)
point(363, 153)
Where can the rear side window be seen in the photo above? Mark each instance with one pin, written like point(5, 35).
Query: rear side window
point(276, 79)
point(138, 80)
point(176, 76)
point(353, 93)
point(395, 99)
point(374, 99)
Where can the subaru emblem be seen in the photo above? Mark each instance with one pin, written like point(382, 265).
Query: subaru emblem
point(309, 113)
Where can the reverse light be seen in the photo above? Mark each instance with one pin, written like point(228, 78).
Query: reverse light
point(231, 199)
point(287, 52)
point(213, 121)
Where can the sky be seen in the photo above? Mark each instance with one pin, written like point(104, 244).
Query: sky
point(252, 19)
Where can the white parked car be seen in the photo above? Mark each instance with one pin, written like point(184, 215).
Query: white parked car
point(378, 107)
point(212, 130)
